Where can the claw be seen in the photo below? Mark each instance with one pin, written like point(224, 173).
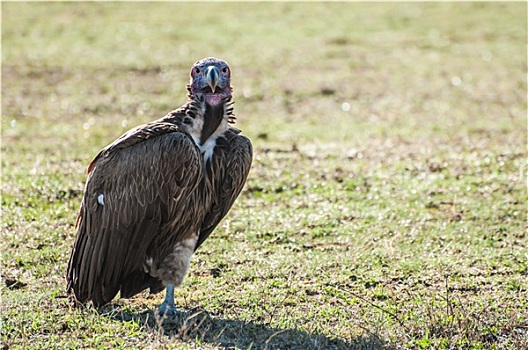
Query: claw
point(167, 309)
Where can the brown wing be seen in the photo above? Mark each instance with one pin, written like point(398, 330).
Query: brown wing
point(238, 157)
point(136, 187)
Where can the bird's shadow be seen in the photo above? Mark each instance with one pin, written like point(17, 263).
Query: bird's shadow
point(199, 325)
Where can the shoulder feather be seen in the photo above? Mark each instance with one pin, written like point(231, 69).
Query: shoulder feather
point(135, 136)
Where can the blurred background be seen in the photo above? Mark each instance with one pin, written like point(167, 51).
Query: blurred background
point(303, 73)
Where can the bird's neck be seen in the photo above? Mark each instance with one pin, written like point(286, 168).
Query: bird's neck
point(207, 123)
point(215, 124)
point(213, 118)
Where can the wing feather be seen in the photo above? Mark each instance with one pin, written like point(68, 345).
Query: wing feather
point(138, 175)
point(238, 162)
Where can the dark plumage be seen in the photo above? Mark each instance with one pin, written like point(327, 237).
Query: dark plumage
point(157, 192)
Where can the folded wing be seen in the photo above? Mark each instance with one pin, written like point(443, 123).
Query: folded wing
point(135, 206)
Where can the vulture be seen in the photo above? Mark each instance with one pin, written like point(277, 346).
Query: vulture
point(155, 194)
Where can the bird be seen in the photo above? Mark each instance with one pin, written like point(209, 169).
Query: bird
point(155, 194)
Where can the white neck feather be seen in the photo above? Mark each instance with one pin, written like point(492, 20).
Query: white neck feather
point(207, 148)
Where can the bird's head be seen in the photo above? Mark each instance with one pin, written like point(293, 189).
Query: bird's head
point(210, 80)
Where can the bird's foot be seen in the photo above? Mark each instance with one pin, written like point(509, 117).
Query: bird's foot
point(167, 309)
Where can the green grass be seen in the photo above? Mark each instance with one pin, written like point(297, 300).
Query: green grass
point(386, 206)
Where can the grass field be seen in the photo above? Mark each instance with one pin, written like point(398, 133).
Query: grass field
point(386, 206)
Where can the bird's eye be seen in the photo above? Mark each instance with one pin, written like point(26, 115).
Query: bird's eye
point(225, 69)
point(197, 70)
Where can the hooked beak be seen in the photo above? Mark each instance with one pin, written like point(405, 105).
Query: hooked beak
point(211, 75)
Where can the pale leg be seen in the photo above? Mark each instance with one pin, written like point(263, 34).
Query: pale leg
point(167, 307)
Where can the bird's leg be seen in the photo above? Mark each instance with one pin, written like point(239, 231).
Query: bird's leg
point(167, 307)
point(172, 270)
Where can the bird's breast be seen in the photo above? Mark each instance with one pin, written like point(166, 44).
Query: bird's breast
point(208, 148)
